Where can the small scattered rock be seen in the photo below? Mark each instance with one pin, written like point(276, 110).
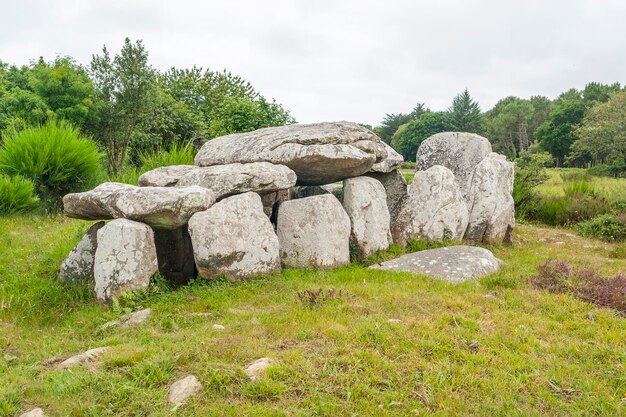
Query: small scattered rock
point(88, 357)
point(218, 327)
point(182, 389)
point(394, 321)
point(35, 412)
point(256, 368)
point(129, 319)
point(590, 316)
point(559, 243)
point(255, 320)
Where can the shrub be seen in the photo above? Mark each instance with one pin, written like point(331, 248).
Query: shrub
point(16, 195)
point(55, 157)
point(182, 154)
point(571, 208)
point(608, 227)
point(616, 171)
point(529, 173)
point(558, 276)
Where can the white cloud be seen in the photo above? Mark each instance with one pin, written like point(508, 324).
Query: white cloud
point(345, 59)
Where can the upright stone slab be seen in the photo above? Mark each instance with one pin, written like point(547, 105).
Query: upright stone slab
point(319, 153)
point(365, 201)
point(460, 152)
point(78, 265)
point(434, 209)
point(234, 238)
point(313, 232)
point(395, 188)
point(125, 258)
point(490, 201)
point(175, 254)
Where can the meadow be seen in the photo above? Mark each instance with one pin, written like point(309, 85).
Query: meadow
point(392, 344)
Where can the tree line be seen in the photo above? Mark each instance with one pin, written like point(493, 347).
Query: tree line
point(127, 106)
point(579, 128)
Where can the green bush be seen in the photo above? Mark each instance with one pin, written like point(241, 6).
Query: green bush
point(16, 195)
point(529, 173)
point(608, 227)
point(616, 171)
point(182, 154)
point(55, 157)
point(571, 208)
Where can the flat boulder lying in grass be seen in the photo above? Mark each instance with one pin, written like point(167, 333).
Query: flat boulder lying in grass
point(159, 207)
point(454, 263)
point(85, 358)
point(35, 412)
point(319, 153)
point(256, 369)
point(181, 390)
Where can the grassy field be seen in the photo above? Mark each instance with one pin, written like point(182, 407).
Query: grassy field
point(491, 347)
point(613, 189)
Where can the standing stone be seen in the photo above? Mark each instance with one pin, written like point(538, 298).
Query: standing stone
point(395, 189)
point(319, 153)
point(234, 238)
point(460, 152)
point(490, 201)
point(125, 258)
point(272, 200)
point(366, 204)
point(175, 254)
point(78, 265)
point(313, 232)
point(434, 210)
point(392, 161)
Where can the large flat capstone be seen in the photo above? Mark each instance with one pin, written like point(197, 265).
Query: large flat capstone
point(319, 153)
point(159, 207)
point(454, 263)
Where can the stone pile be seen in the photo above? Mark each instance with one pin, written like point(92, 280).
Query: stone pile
point(257, 202)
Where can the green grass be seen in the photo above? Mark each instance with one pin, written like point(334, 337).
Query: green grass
point(489, 347)
point(614, 189)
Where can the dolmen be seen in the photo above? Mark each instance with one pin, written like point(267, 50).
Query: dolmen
point(296, 196)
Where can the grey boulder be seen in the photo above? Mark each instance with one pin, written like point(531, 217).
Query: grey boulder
point(392, 161)
point(225, 180)
point(490, 201)
point(159, 207)
point(460, 152)
point(434, 208)
point(78, 265)
point(319, 153)
point(167, 176)
point(125, 258)
point(365, 202)
point(234, 238)
point(395, 188)
point(454, 263)
point(313, 232)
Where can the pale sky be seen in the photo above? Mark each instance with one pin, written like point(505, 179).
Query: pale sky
point(344, 59)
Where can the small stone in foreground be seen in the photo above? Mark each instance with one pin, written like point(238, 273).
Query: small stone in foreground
point(35, 412)
point(454, 263)
point(182, 389)
point(83, 358)
point(218, 327)
point(256, 368)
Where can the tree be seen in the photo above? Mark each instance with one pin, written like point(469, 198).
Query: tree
point(603, 133)
point(465, 115)
point(392, 122)
point(66, 89)
point(557, 134)
point(126, 87)
point(509, 126)
point(410, 136)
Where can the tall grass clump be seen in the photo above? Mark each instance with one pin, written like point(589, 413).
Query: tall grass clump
point(580, 202)
point(16, 195)
point(55, 157)
point(177, 154)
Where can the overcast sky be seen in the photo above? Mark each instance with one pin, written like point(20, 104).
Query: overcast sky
point(351, 60)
